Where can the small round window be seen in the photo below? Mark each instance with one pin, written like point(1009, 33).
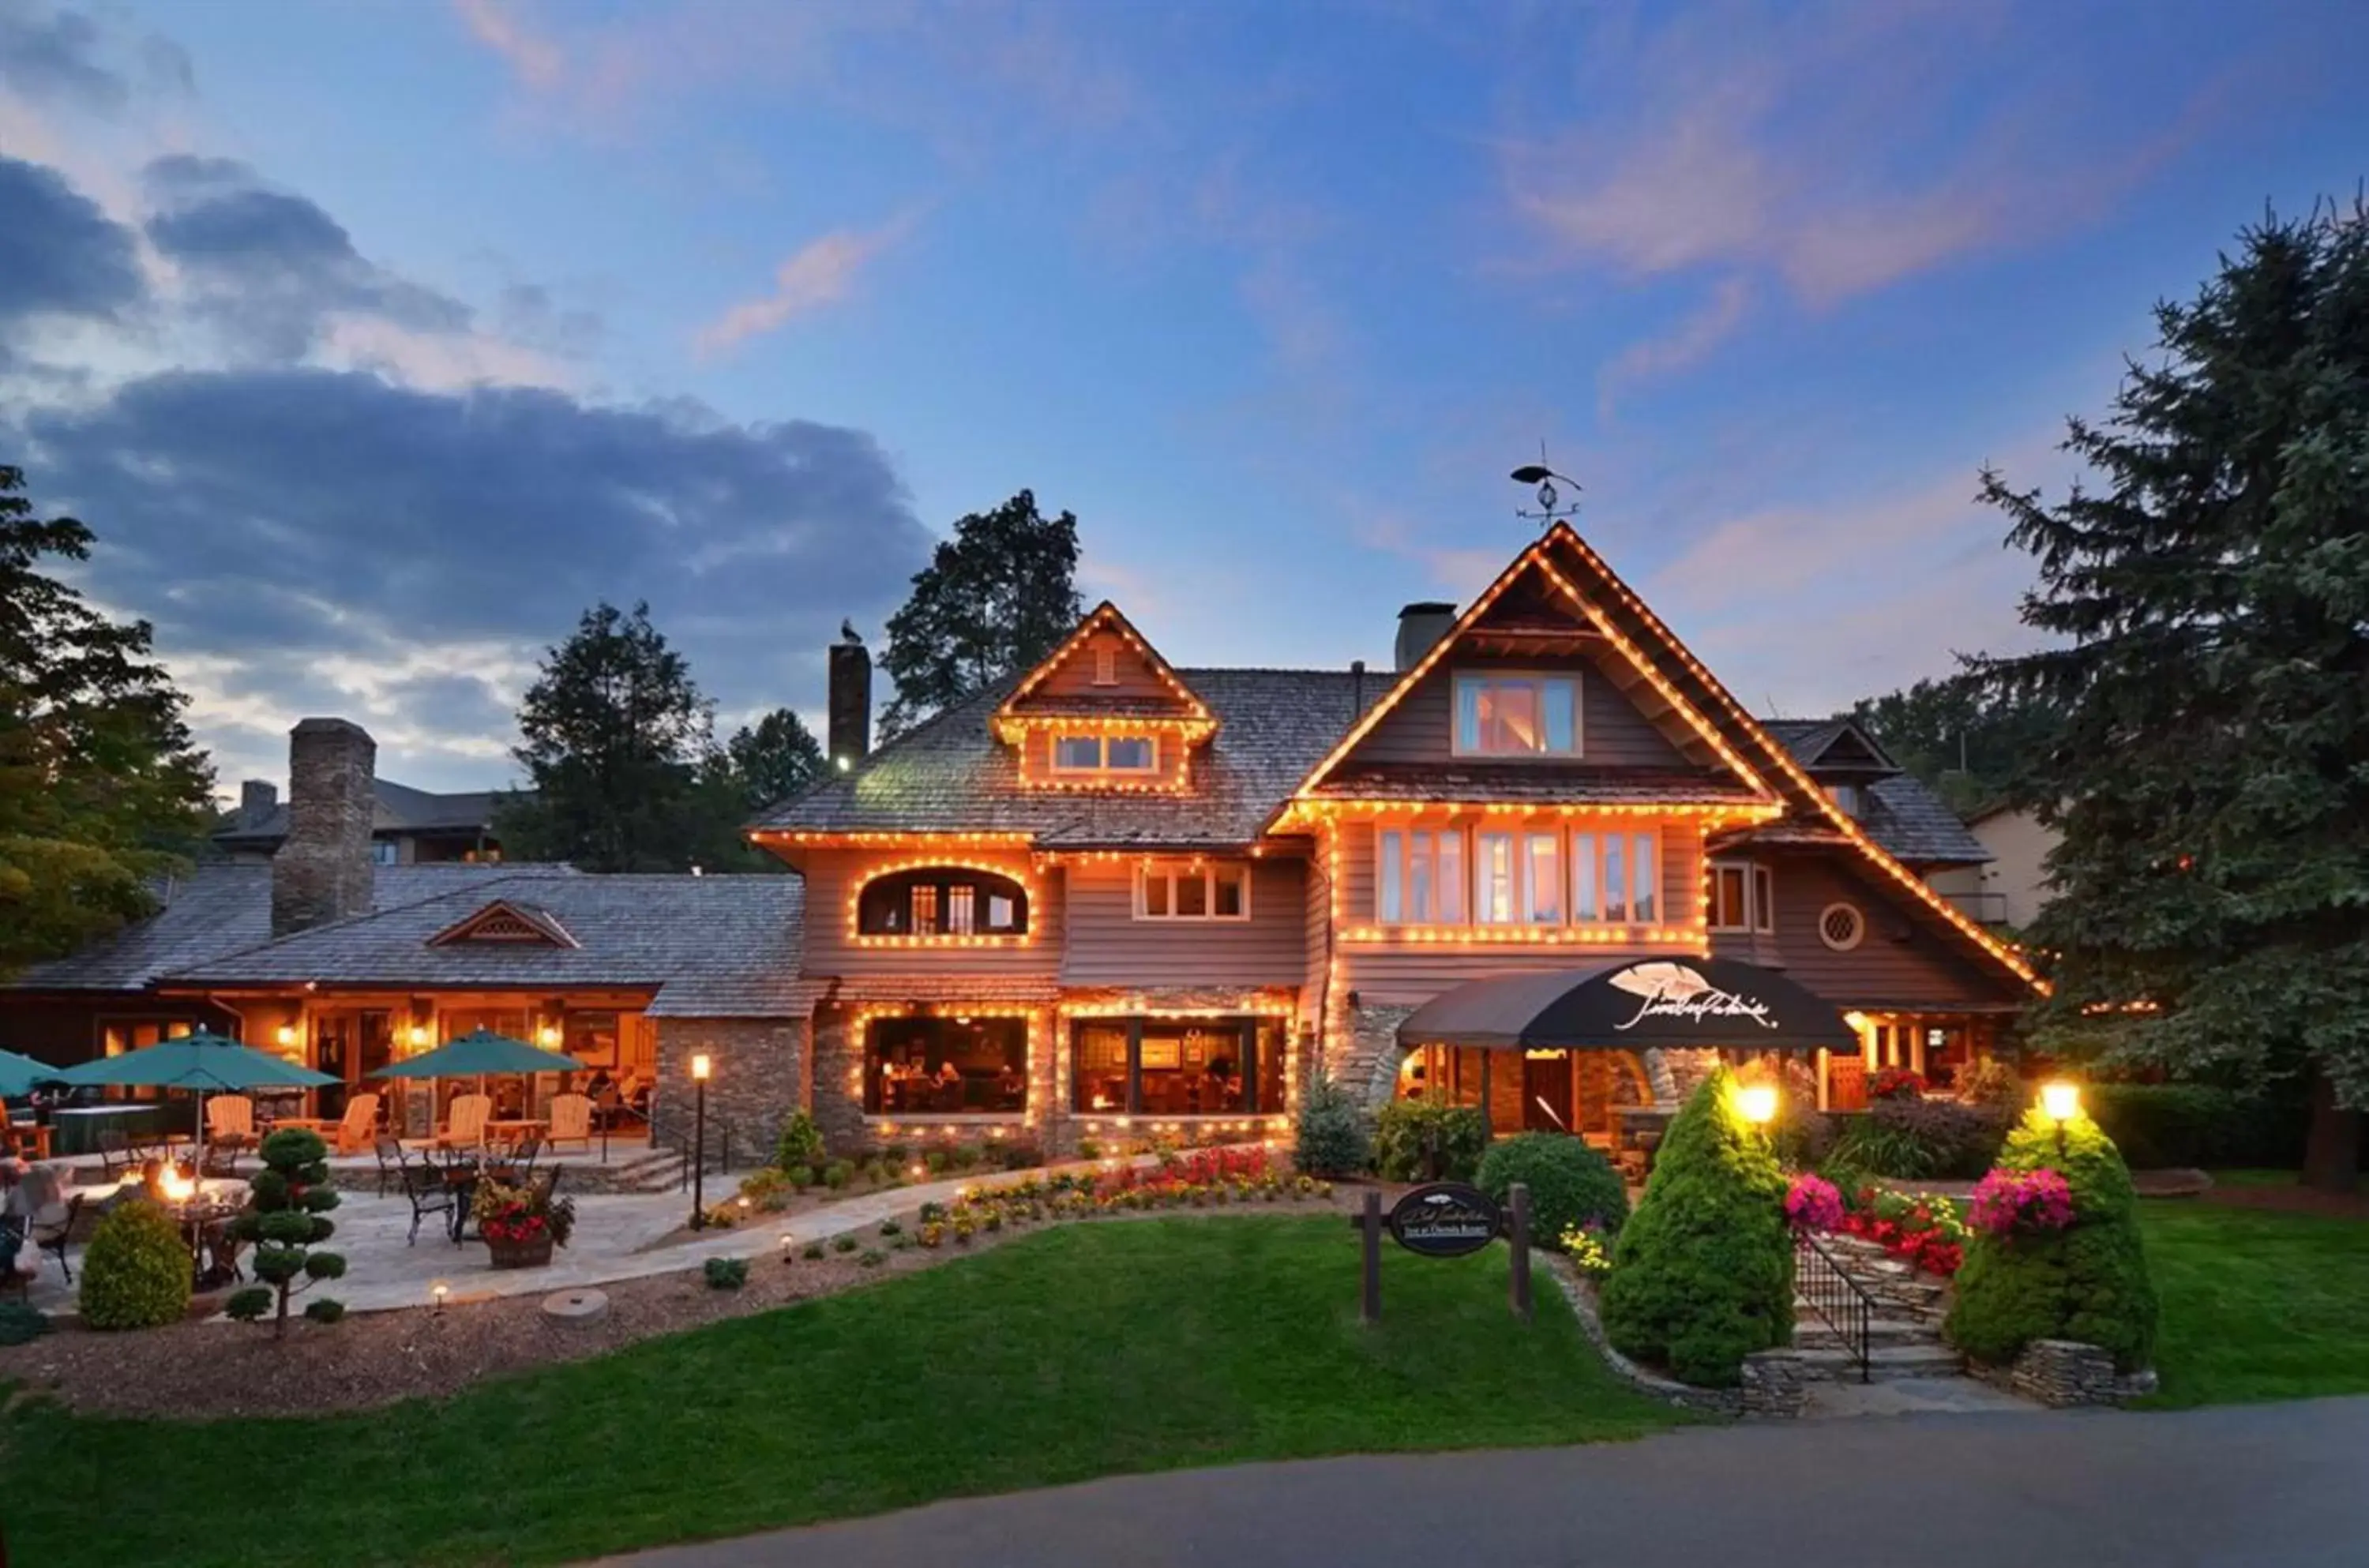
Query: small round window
point(1840, 926)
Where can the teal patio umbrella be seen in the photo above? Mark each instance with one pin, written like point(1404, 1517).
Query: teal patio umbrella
point(18, 1075)
point(481, 1054)
point(203, 1063)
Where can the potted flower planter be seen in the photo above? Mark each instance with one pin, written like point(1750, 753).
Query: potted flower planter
point(532, 1253)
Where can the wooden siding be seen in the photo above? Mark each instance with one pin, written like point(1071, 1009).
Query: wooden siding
point(1104, 945)
point(1681, 881)
point(1613, 733)
point(1900, 961)
point(1074, 676)
point(832, 873)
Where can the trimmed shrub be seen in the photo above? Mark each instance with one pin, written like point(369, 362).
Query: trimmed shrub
point(1913, 1139)
point(1993, 1083)
point(2088, 1282)
point(1572, 1187)
point(1333, 1139)
point(800, 1143)
point(21, 1323)
point(1803, 1134)
point(283, 1219)
point(1702, 1274)
point(2161, 1124)
point(136, 1273)
point(1427, 1139)
point(726, 1274)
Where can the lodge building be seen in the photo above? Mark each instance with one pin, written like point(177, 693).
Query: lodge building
point(1113, 899)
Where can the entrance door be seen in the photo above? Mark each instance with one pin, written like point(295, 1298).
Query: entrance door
point(349, 1044)
point(1546, 1094)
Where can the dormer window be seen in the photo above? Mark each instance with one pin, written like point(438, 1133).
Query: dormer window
point(1517, 716)
point(1849, 796)
point(1122, 754)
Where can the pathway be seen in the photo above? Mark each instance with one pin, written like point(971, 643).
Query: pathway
point(2257, 1486)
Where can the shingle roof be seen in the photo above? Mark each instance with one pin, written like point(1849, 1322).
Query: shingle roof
point(224, 909)
point(400, 809)
point(1899, 812)
point(952, 775)
point(715, 946)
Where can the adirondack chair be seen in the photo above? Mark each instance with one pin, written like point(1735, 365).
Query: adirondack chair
point(466, 1121)
point(351, 1133)
point(230, 1121)
point(571, 1121)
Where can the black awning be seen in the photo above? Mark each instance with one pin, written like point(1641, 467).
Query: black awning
point(1633, 1005)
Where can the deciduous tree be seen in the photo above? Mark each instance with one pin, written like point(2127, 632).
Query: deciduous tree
point(2210, 602)
point(994, 599)
point(100, 787)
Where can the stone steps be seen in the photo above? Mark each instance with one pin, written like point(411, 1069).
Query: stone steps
point(659, 1171)
point(1884, 1362)
point(1808, 1330)
point(1905, 1336)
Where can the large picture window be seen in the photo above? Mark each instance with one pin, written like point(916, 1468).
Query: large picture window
point(1176, 1066)
point(1517, 716)
point(948, 1066)
point(1421, 875)
point(943, 901)
point(1538, 876)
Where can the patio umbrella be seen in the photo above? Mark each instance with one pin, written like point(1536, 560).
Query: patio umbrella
point(18, 1075)
point(481, 1054)
point(203, 1063)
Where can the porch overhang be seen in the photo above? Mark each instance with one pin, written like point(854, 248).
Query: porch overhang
point(1636, 1004)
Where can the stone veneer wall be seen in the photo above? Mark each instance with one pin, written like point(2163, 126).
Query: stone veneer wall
point(1365, 1061)
point(757, 1066)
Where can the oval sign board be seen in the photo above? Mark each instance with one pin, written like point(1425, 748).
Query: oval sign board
point(1445, 1220)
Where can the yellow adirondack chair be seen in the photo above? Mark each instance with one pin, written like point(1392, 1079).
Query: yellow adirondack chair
point(348, 1134)
point(230, 1120)
point(465, 1122)
point(571, 1120)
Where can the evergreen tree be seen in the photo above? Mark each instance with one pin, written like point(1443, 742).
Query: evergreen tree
point(1964, 738)
point(773, 760)
point(100, 787)
point(2211, 604)
point(617, 741)
point(993, 601)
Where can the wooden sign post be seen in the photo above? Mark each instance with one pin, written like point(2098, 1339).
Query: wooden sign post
point(1517, 1207)
point(1370, 1299)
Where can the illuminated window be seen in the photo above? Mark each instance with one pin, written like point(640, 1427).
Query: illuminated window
point(1644, 873)
point(1614, 877)
point(1421, 877)
point(1517, 716)
point(917, 1066)
point(1764, 899)
point(1586, 895)
point(941, 900)
point(1542, 879)
point(1191, 1067)
point(1186, 891)
point(1494, 878)
point(1104, 754)
point(1742, 897)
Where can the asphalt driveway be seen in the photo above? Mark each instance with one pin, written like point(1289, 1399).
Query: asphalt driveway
point(2260, 1486)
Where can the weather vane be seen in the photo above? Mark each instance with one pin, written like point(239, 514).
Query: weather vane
point(1549, 510)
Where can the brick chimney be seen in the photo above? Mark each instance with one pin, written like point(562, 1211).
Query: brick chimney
point(256, 799)
point(1420, 625)
point(851, 699)
point(323, 870)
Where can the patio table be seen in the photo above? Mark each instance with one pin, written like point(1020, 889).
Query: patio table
point(516, 1128)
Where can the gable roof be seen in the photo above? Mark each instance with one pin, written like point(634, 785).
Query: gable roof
point(1807, 803)
point(506, 919)
point(711, 945)
point(1534, 559)
point(1837, 742)
point(1899, 811)
point(1028, 699)
point(398, 808)
point(220, 909)
point(949, 775)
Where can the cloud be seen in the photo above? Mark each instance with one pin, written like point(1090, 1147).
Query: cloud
point(1690, 342)
point(60, 254)
point(818, 274)
point(533, 56)
point(48, 55)
point(272, 269)
point(301, 532)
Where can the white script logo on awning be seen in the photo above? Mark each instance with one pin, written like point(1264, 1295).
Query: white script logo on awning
point(1676, 991)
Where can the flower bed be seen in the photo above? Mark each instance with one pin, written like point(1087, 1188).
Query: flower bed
point(1919, 1229)
point(1207, 1178)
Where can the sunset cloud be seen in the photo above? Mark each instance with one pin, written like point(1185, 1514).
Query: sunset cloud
point(819, 274)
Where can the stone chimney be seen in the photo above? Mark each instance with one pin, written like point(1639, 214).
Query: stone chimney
point(256, 799)
point(323, 870)
point(851, 699)
point(1420, 625)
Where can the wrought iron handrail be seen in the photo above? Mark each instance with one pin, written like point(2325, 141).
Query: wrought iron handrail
point(718, 1153)
point(1841, 1301)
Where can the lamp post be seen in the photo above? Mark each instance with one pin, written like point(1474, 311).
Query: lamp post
point(2060, 1101)
point(700, 1066)
point(1757, 1103)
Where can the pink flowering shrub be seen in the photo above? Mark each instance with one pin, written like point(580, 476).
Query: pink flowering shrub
point(1813, 1203)
point(2010, 1202)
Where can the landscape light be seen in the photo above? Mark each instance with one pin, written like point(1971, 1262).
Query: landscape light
point(2060, 1100)
point(437, 1291)
point(700, 1066)
point(1757, 1101)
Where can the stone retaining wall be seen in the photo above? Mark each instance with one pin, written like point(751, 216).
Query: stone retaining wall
point(2066, 1374)
point(1775, 1385)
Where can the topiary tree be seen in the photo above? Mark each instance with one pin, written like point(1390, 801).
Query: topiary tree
point(2087, 1282)
point(1426, 1138)
point(1333, 1138)
point(1571, 1185)
point(283, 1219)
point(800, 1143)
point(137, 1273)
point(1703, 1272)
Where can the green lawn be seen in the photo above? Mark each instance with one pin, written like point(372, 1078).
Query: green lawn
point(2257, 1305)
point(1082, 1351)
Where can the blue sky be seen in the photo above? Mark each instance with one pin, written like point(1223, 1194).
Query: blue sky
point(378, 340)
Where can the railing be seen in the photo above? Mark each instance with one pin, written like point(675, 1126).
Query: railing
point(1840, 1303)
point(718, 1151)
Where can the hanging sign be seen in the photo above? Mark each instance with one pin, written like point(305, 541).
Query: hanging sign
point(1445, 1220)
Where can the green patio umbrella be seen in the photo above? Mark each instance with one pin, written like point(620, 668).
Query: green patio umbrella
point(18, 1075)
point(203, 1063)
point(481, 1054)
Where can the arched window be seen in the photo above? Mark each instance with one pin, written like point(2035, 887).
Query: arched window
point(943, 901)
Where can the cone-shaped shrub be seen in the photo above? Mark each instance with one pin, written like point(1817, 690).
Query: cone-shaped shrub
point(1703, 1272)
point(136, 1271)
point(2087, 1282)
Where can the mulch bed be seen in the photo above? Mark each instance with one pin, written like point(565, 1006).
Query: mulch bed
point(217, 1369)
